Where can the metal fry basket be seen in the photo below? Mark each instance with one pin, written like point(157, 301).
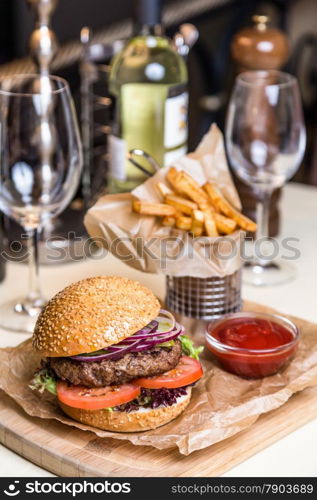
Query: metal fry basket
point(204, 298)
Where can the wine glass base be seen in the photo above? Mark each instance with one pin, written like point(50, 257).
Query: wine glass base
point(18, 316)
point(273, 273)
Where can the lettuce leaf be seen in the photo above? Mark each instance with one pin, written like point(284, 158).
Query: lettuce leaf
point(188, 347)
point(43, 380)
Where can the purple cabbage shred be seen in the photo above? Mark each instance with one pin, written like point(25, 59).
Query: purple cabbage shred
point(153, 398)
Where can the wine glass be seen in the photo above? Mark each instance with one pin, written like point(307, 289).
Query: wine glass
point(40, 168)
point(265, 140)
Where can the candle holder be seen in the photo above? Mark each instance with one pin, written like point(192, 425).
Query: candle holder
point(43, 41)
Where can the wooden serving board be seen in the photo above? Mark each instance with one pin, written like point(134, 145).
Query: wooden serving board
point(67, 451)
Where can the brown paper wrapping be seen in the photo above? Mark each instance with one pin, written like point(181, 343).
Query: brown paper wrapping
point(144, 244)
point(222, 404)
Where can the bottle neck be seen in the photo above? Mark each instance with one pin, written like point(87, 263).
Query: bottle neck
point(149, 30)
point(147, 15)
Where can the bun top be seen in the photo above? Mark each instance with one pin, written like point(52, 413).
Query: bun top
point(93, 314)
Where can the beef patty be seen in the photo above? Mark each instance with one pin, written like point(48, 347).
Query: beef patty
point(118, 371)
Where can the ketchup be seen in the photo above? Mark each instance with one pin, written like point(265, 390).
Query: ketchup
point(247, 339)
point(253, 333)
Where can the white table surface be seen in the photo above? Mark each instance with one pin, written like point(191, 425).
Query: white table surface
point(294, 455)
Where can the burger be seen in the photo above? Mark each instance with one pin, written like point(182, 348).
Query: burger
point(114, 359)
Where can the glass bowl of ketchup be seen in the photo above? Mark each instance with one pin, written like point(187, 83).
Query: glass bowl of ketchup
point(252, 344)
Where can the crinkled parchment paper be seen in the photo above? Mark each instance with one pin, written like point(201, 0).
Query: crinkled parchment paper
point(222, 404)
point(144, 244)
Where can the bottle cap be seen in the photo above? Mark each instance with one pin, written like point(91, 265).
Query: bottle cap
point(261, 21)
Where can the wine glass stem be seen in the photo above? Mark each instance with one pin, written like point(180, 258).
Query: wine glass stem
point(262, 233)
point(34, 296)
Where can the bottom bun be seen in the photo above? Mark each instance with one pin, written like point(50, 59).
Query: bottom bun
point(143, 419)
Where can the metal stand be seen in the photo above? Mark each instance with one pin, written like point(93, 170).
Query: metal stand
point(96, 109)
point(204, 298)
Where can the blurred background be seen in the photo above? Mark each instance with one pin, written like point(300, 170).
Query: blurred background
point(215, 39)
point(210, 63)
point(231, 37)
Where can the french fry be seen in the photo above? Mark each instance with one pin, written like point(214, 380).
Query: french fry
point(185, 184)
point(148, 208)
point(207, 206)
point(169, 221)
point(190, 207)
point(181, 204)
point(227, 209)
point(197, 223)
point(210, 224)
point(184, 222)
point(224, 224)
point(163, 189)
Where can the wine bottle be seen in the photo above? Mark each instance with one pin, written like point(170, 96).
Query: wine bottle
point(148, 80)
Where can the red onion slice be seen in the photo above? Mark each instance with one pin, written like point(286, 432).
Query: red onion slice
point(162, 319)
point(107, 355)
point(162, 336)
point(144, 332)
point(149, 343)
point(156, 332)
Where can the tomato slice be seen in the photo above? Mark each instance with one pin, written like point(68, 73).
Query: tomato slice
point(187, 372)
point(96, 398)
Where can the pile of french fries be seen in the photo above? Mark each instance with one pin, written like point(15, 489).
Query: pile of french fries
point(202, 211)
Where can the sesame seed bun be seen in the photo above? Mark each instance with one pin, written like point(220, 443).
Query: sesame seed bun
point(143, 419)
point(93, 314)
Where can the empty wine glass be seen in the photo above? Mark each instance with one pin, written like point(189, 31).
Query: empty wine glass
point(265, 139)
point(40, 167)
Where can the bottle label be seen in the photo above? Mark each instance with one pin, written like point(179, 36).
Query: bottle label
point(153, 117)
point(175, 126)
point(117, 152)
